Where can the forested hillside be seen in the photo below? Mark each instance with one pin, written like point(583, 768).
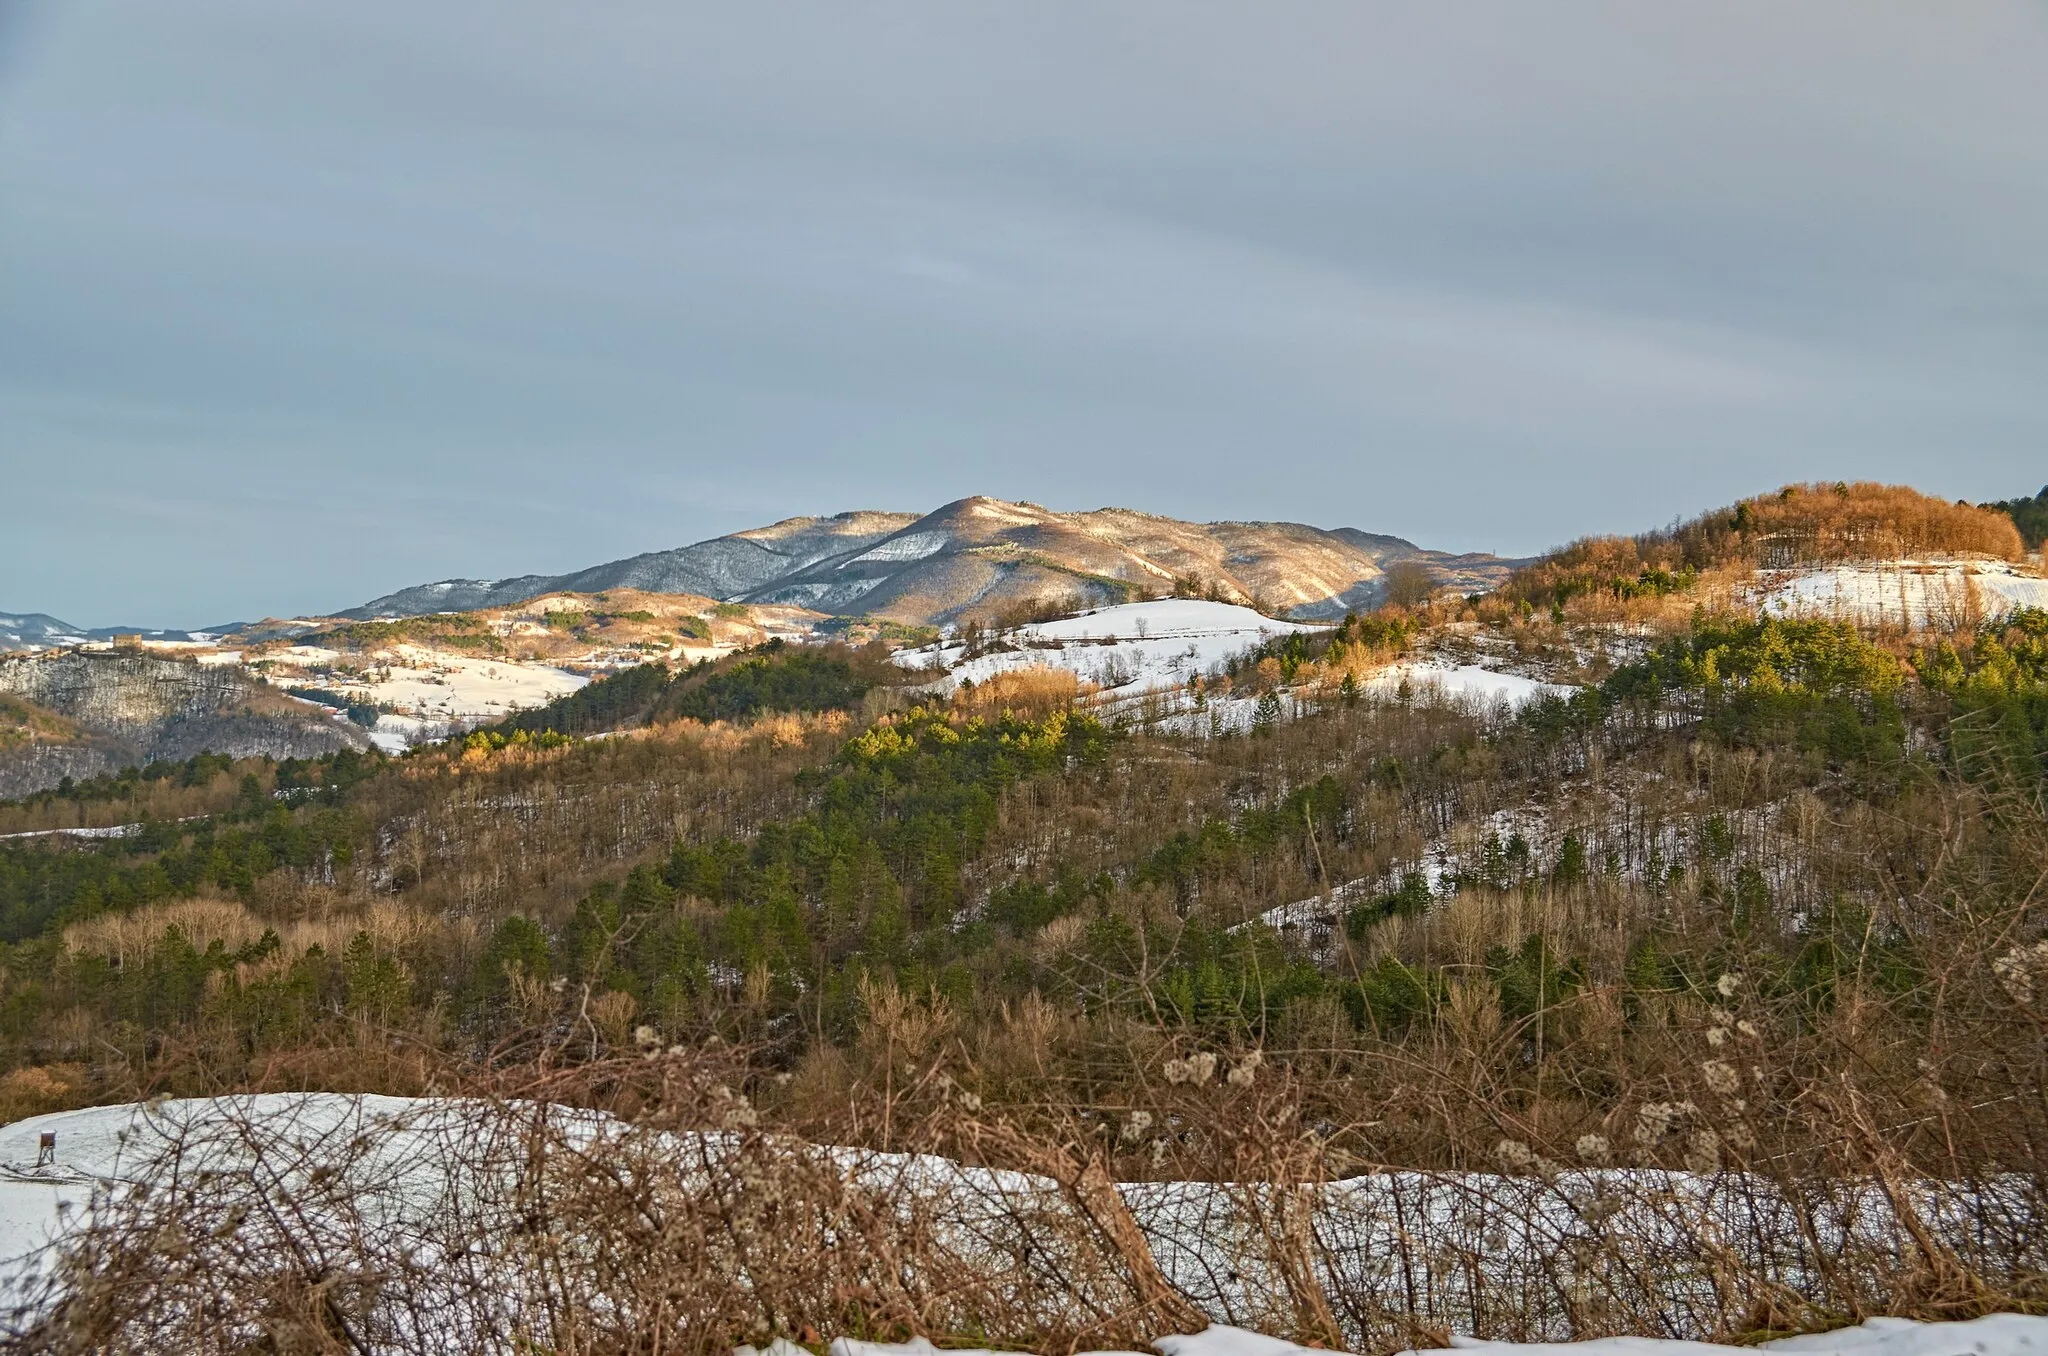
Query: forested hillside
point(1739, 895)
point(771, 841)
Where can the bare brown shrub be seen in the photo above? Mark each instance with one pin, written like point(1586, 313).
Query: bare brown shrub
point(1034, 692)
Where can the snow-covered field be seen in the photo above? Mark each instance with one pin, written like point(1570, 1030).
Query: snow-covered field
point(1472, 683)
point(362, 1168)
point(1132, 645)
point(426, 687)
point(1914, 593)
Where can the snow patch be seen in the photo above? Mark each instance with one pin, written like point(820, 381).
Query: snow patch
point(1992, 1335)
point(910, 546)
point(1472, 683)
point(430, 686)
point(1137, 646)
point(1914, 593)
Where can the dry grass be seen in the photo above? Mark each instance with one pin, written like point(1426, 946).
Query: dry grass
point(675, 1201)
point(392, 925)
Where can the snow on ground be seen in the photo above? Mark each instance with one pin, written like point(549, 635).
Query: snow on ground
point(1378, 1234)
point(1993, 1335)
point(431, 687)
point(395, 734)
point(910, 546)
point(110, 1144)
point(110, 831)
point(1917, 593)
point(1486, 687)
point(1134, 645)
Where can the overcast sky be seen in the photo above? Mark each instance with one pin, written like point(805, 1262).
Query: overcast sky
point(300, 303)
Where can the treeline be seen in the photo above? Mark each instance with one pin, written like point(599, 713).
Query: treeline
point(2029, 515)
point(775, 676)
point(128, 783)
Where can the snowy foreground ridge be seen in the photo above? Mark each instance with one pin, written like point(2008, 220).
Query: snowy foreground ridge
point(1132, 645)
point(437, 1189)
point(1997, 1335)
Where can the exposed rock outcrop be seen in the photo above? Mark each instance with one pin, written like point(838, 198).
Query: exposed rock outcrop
point(110, 710)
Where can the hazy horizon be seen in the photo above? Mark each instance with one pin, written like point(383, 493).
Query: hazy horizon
point(301, 305)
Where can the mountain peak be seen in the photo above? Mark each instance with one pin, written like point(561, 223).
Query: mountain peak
point(981, 554)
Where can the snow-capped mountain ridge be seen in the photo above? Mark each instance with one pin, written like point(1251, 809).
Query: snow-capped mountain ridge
point(981, 553)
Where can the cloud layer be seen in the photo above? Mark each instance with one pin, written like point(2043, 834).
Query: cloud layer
point(302, 303)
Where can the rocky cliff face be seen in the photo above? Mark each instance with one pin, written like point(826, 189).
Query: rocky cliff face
point(27, 768)
point(122, 693)
point(120, 708)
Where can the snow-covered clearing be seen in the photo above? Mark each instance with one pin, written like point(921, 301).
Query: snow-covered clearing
point(395, 734)
point(1488, 688)
point(432, 687)
point(1131, 645)
point(1452, 1249)
point(1913, 593)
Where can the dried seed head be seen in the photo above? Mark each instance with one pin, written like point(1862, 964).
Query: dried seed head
point(1721, 1077)
point(1655, 1119)
point(1728, 985)
point(1201, 1066)
point(1513, 1156)
point(2023, 972)
point(1594, 1148)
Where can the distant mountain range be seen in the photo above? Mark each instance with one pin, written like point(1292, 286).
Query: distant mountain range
point(981, 555)
point(727, 568)
point(18, 631)
point(975, 555)
point(40, 631)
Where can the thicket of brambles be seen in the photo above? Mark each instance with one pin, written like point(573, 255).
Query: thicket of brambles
point(1760, 903)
